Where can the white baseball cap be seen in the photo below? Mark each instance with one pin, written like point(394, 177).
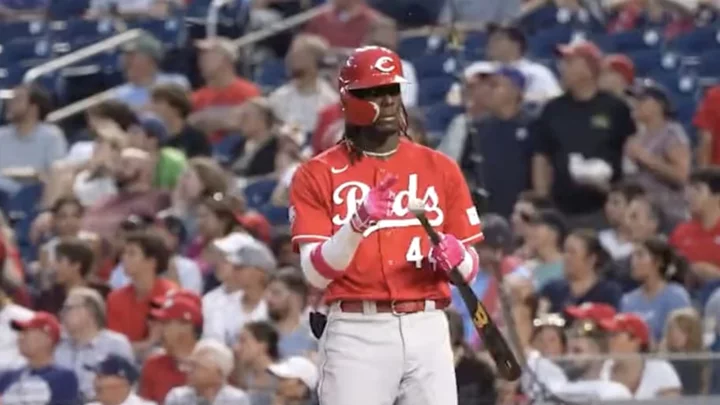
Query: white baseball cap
point(296, 367)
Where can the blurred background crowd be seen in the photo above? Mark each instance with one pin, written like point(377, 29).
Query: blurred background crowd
point(147, 147)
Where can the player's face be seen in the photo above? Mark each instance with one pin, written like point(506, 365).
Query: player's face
point(388, 101)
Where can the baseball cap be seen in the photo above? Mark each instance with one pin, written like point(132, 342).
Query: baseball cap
point(480, 68)
point(146, 44)
point(220, 44)
point(621, 64)
point(159, 302)
point(296, 367)
point(154, 127)
point(583, 49)
point(496, 231)
point(115, 365)
point(44, 321)
point(629, 323)
point(650, 89)
point(179, 309)
point(592, 311)
point(511, 30)
point(516, 77)
point(552, 218)
point(255, 223)
point(250, 254)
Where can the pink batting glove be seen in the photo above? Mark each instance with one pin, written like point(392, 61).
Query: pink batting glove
point(449, 253)
point(376, 206)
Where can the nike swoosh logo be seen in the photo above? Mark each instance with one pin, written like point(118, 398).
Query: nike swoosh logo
point(340, 170)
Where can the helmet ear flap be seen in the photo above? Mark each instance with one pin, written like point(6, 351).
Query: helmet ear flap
point(358, 111)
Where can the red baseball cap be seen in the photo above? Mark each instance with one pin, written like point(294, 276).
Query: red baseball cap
point(44, 321)
point(179, 309)
point(159, 302)
point(584, 49)
point(591, 311)
point(628, 323)
point(621, 64)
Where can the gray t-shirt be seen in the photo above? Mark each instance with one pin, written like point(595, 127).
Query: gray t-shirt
point(38, 149)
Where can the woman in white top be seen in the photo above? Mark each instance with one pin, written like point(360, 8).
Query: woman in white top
point(646, 378)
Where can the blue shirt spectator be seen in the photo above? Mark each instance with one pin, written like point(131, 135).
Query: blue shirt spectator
point(656, 309)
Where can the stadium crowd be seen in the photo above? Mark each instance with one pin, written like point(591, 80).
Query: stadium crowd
point(158, 265)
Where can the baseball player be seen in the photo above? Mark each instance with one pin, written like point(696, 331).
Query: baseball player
point(386, 339)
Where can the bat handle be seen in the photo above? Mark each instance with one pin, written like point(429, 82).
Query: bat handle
point(434, 237)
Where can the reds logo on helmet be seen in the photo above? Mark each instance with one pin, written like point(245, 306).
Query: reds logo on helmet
point(367, 67)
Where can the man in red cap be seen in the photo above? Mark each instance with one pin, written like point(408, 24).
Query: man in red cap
point(41, 381)
point(358, 239)
point(181, 323)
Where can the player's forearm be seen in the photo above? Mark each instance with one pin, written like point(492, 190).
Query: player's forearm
point(326, 261)
point(470, 265)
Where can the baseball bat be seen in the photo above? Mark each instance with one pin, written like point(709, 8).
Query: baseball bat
point(507, 365)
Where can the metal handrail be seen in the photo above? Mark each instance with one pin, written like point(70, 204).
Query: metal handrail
point(80, 105)
point(82, 54)
point(280, 26)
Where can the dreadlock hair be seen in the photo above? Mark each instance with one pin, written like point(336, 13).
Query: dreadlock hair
point(353, 132)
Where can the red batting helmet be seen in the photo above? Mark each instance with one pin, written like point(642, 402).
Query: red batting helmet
point(369, 66)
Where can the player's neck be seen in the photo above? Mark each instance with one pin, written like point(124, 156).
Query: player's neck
point(377, 145)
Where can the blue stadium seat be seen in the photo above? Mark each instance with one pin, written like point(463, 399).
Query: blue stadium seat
point(271, 73)
point(169, 31)
point(67, 9)
point(412, 47)
point(433, 90)
point(696, 42)
point(16, 52)
point(544, 43)
point(258, 193)
point(710, 64)
point(11, 76)
point(198, 8)
point(540, 19)
point(438, 117)
point(77, 32)
point(274, 214)
point(636, 40)
point(678, 85)
point(652, 60)
point(224, 150)
point(22, 208)
point(430, 66)
point(22, 31)
point(474, 45)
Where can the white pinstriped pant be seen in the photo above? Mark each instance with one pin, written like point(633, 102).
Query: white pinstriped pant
point(386, 359)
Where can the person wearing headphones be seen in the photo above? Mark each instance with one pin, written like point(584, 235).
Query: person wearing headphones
point(86, 340)
point(658, 157)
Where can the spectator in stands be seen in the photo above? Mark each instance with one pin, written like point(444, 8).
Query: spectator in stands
point(707, 121)
point(244, 269)
point(473, 12)
point(144, 258)
point(182, 270)
point(173, 105)
point(299, 101)
point(660, 151)
point(71, 269)
point(258, 124)
point(133, 177)
point(30, 146)
point(202, 178)
point(548, 336)
point(507, 45)
point(660, 273)
point(547, 231)
point(618, 74)
point(684, 334)
point(384, 32)
point(180, 321)
point(223, 89)
point(41, 381)
point(584, 261)
point(286, 297)
point(256, 350)
point(86, 341)
point(577, 174)
point(168, 162)
point(344, 23)
point(526, 208)
point(499, 137)
point(478, 90)
point(616, 239)
point(297, 380)
point(210, 365)
point(131, 9)
point(696, 239)
point(141, 63)
point(130, 225)
point(10, 356)
point(475, 378)
point(291, 141)
point(630, 337)
point(115, 377)
point(283, 251)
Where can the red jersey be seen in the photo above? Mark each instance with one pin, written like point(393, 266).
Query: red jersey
point(388, 264)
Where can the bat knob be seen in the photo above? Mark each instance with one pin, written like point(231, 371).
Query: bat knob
point(417, 206)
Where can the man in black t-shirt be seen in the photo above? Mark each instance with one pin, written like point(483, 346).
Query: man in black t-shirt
point(579, 138)
point(172, 104)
